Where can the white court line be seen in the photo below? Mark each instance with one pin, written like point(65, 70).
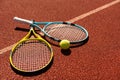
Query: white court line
point(94, 11)
point(75, 19)
point(6, 49)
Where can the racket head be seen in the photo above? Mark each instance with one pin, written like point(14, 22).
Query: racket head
point(57, 31)
point(31, 54)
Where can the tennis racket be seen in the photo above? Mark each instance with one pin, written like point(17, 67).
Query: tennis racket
point(54, 32)
point(31, 54)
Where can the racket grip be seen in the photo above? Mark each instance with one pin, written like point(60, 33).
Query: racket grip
point(23, 20)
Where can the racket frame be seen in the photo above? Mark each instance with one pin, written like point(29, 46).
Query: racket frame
point(75, 25)
point(27, 38)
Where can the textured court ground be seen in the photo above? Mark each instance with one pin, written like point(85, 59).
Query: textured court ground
point(98, 59)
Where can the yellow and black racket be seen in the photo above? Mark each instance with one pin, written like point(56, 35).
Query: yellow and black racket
point(31, 54)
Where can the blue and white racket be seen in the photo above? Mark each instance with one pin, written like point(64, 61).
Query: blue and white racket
point(54, 32)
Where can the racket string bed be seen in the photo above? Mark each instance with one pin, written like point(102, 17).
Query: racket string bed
point(31, 56)
point(63, 31)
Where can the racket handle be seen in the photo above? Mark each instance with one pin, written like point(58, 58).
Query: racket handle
point(23, 20)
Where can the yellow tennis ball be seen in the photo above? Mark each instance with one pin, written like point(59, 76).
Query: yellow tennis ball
point(64, 44)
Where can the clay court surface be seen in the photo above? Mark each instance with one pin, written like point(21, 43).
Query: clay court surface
point(98, 59)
